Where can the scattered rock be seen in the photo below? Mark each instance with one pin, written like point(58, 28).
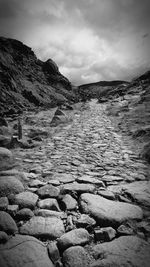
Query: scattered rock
point(75, 257)
point(53, 252)
point(47, 191)
point(77, 187)
point(64, 178)
point(123, 251)
point(12, 209)
point(26, 200)
point(85, 220)
point(49, 213)
point(73, 238)
point(91, 180)
point(3, 237)
point(22, 251)
point(7, 224)
point(49, 228)
point(49, 204)
point(108, 212)
point(68, 202)
point(107, 194)
point(36, 183)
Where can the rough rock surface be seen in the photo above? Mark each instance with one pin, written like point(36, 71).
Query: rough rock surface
point(50, 227)
point(6, 159)
point(123, 251)
point(10, 185)
point(108, 212)
point(22, 251)
point(75, 257)
point(26, 200)
point(7, 224)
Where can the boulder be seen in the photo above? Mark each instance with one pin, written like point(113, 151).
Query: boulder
point(124, 251)
point(107, 212)
point(48, 191)
point(49, 204)
point(24, 251)
point(73, 238)
point(76, 257)
point(68, 202)
point(49, 227)
point(10, 185)
point(7, 224)
point(26, 200)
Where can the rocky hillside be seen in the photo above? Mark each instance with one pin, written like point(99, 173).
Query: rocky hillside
point(27, 82)
point(99, 89)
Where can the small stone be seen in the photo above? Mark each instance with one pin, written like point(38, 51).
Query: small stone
point(91, 180)
point(85, 220)
point(3, 237)
point(26, 200)
point(75, 257)
point(49, 204)
point(68, 202)
point(36, 183)
point(7, 224)
point(6, 159)
point(53, 252)
point(124, 229)
point(104, 234)
point(50, 213)
point(12, 209)
point(24, 214)
point(73, 238)
point(4, 203)
point(77, 187)
point(107, 194)
point(63, 178)
point(48, 191)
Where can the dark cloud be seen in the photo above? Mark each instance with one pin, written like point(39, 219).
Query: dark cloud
point(90, 40)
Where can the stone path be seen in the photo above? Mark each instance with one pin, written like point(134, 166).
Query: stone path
point(81, 185)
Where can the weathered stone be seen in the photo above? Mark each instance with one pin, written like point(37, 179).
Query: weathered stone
point(124, 229)
point(10, 185)
point(68, 202)
point(36, 183)
point(75, 257)
point(104, 234)
point(108, 212)
point(3, 203)
point(124, 251)
point(85, 220)
point(26, 200)
point(64, 178)
point(7, 224)
point(12, 209)
point(50, 227)
point(107, 194)
point(6, 159)
point(47, 191)
point(22, 251)
point(24, 214)
point(77, 187)
point(91, 180)
point(3, 237)
point(73, 238)
point(49, 204)
point(53, 252)
point(49, 213)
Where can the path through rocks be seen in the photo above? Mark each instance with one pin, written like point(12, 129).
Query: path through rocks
point(86, 185)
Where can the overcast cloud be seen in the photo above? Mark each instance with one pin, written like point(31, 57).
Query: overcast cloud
point(90, 40)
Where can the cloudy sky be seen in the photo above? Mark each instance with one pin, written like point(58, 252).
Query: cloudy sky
point(90, 40)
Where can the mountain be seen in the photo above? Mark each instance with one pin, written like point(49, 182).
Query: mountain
point(27, 82)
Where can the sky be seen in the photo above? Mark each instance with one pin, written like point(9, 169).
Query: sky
point(90, 40)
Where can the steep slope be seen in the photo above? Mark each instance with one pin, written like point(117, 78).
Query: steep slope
point(27, 82)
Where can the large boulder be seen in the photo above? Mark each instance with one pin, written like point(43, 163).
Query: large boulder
point(49, 227)
point(6, 159)
point(24, 251)
point(108, 212)
point(125, 251)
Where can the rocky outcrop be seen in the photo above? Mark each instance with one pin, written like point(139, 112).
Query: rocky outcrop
point(27, 82)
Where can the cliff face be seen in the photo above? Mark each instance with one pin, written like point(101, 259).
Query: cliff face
point(26, 82)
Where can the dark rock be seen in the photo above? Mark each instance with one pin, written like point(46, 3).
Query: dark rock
point(24, 214)
point(12, 209)
point(125, 229)
point(3, 203)
point(85, 221)
point(49, 228)
point(73, 238)
point(53, 252)
point(7, 224)
point(10, 185)
point(6, 159)
point(47, 191)
point(22, 251)
point(104, 234)
point(77, 187)
point(3, 237)
point(76, 257)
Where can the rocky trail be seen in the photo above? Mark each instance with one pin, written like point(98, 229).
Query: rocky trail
point(79, 197)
